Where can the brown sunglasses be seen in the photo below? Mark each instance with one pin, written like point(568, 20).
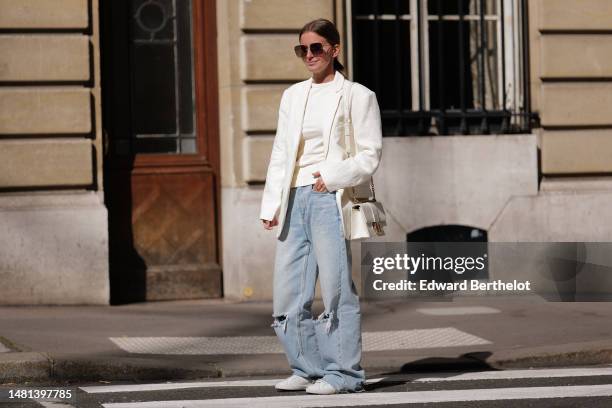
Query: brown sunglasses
point(315, 48)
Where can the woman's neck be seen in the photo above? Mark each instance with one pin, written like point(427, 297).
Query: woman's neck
point(324, 76)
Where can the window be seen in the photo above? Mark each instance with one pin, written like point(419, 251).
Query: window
point(442, 67)
point(162, 82)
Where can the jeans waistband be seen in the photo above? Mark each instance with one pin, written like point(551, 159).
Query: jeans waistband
point(307, 185)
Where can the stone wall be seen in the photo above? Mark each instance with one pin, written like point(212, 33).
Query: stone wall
point(55, 233)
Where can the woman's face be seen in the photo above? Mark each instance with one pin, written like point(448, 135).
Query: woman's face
point(318, 63)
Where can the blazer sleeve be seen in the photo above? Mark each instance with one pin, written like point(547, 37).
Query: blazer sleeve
point(271, 199)
point(367, 133)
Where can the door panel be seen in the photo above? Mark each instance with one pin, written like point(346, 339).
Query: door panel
point(161, 150)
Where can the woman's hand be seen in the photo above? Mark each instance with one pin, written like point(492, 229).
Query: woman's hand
point(267, 224)
point(319, 185)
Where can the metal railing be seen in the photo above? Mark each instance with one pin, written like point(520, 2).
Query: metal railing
point(443, 67)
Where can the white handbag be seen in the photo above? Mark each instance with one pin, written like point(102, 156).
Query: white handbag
point(367, 216)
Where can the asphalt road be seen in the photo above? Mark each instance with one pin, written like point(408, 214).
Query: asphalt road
point(556, 387)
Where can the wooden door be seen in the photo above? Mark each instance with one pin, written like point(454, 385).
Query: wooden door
point(161, 148)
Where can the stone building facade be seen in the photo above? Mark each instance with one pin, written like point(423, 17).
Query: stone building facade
point(190, 223)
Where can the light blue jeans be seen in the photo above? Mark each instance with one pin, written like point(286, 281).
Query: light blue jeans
point(312, 243)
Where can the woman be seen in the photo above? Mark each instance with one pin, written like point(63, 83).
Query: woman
point(306, 179)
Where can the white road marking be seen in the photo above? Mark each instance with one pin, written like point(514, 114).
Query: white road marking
point(372, 341)
point(442, 377)
point(50, 404)
point(454, 311)
point(175, 386)
point(517, 374)
point(383, 398)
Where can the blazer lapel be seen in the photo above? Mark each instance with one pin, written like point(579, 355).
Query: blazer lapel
point(332, 108)
point(299, 107)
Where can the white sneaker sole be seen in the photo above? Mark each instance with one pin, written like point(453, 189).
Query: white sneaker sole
point(294, 388)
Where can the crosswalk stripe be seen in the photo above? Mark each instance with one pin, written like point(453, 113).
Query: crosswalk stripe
point(383, 398)
point(51, 404)
point(516, 374)
point(177, 386)
point(442, 377)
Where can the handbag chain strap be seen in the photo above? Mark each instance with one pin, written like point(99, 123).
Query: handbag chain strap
point(347, 126)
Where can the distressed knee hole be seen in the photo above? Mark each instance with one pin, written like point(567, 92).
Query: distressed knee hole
point(280, 321)
point(328, 319)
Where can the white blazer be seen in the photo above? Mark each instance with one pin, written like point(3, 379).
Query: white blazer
point(337, 171)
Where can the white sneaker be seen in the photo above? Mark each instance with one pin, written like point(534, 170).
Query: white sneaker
point(321, 387)
point(293, 383)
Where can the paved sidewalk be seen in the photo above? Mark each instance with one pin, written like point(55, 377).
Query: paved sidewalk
point(183, 339)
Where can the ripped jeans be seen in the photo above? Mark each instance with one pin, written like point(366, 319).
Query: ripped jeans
point(312, 244)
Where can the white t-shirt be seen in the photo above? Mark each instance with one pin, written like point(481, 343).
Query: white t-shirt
point(311, 148)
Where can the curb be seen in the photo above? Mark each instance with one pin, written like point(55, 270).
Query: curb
point(78, 367)
point(570, 354)
point(40, 367)
point(575, 358)
point(24, 366)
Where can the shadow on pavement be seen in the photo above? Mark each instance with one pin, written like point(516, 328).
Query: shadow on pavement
point(474, 361)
